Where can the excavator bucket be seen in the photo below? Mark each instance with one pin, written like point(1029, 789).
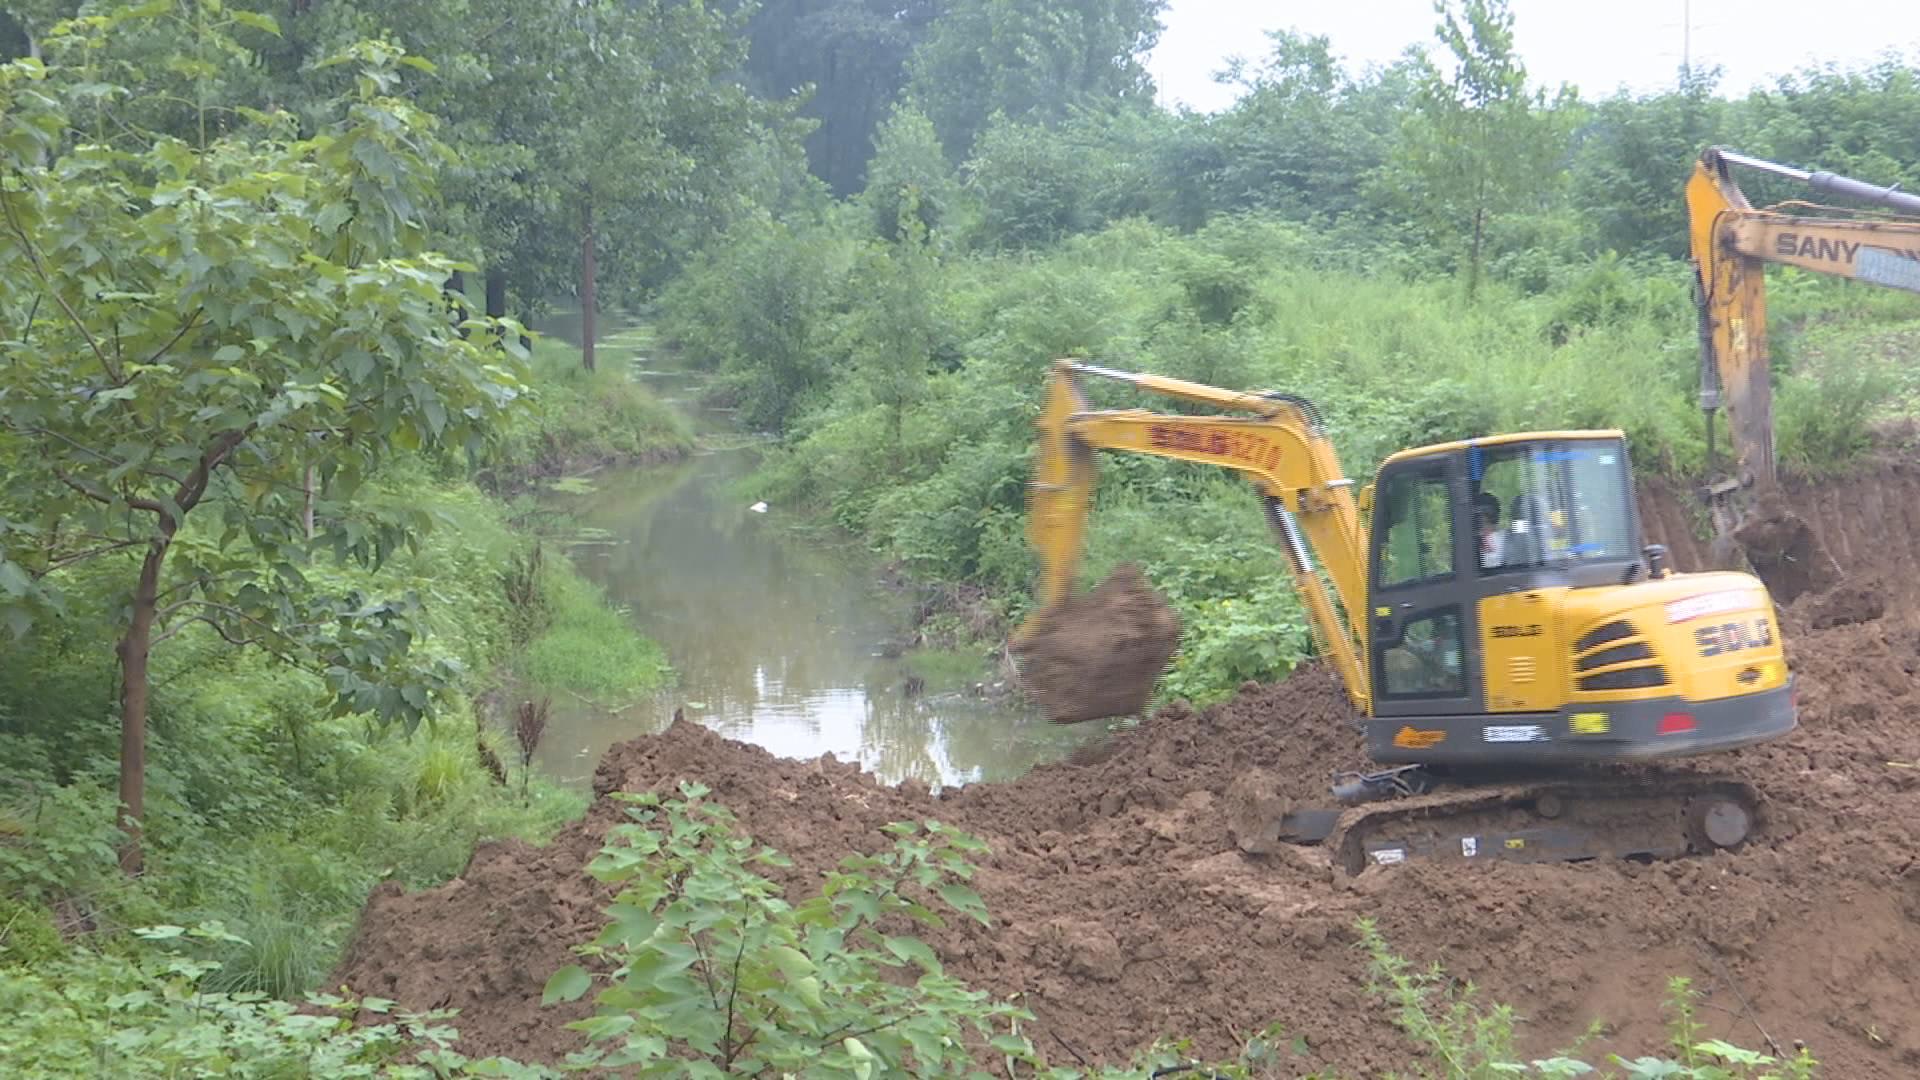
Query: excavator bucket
point(1098, 654)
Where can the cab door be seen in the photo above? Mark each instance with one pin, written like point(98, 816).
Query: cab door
point(1423, 626)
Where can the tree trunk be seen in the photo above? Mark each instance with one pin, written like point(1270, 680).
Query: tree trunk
point(306, 514)
point(133, 651)
point(1473, 258)
point(588, 329)
point(456, 292)
point(496, 293)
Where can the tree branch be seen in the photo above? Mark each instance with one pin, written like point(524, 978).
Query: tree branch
point(46, 281)
point(83, 556)
point(101, 497)
point(192, 320)
point(733, 993)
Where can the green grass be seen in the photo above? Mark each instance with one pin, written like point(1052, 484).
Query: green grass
point(582, 418)
point(589, 648)
point(946, 669)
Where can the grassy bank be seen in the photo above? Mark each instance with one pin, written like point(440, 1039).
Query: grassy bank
point(583, 419)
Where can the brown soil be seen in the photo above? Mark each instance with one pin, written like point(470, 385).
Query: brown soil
point(1100, 653)
point(1124, 908)
point(1784, 550)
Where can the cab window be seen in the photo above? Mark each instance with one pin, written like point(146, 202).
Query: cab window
point(1552, 503)
point(1416, 527)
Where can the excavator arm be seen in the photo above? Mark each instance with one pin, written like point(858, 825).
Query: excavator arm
point(1732, 242)
point(1282, 447)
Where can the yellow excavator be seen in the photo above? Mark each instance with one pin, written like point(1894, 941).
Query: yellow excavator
point(1506, 640)
point(1732, 242)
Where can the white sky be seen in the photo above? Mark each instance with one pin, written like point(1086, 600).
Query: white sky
point(1597, 45)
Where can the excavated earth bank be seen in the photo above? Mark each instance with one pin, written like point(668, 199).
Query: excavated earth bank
point(1123, 910)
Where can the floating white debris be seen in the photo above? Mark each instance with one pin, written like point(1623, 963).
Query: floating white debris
point(758, 508)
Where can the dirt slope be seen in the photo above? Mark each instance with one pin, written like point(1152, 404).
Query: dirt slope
point(1123, 911)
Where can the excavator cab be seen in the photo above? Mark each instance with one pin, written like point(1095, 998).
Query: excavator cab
point(1516, 618)
point(1462, 530)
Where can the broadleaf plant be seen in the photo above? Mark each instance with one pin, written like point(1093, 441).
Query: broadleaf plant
point(210, 347)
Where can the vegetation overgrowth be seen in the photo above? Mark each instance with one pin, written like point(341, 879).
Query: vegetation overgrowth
point(256, 593)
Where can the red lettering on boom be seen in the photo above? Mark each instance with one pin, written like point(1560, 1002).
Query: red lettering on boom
point(1235, 445)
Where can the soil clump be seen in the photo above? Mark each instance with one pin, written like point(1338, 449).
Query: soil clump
point(1784, 550)
point(1098, 654)
point(1128, 904)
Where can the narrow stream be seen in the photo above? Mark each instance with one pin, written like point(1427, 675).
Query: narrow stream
point(778, 636)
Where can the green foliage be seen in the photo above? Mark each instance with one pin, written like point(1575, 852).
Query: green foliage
point(1822, 422)
point(155, 1017)
point(1478, 142)
point(1034, 187)
point(1633, 160)
point(249, 325)
point(28, 936)
point(713, 972)
point(578, 418)
point(1030, 60)
point(268, 815)
point(587, 646)
point(758, 307)
point(908, 175)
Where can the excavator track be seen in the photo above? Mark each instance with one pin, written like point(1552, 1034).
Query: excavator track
point(1661, 816)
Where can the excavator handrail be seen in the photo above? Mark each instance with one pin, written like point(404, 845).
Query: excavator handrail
point(1284, 448)
point(1818, 181)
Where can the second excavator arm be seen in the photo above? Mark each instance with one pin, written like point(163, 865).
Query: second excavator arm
point(1282, 446)
point(1732, 241)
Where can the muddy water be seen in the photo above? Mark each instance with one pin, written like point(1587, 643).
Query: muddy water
point(778, 634)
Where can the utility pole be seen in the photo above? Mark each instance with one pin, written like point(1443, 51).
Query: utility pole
point(1686, 39)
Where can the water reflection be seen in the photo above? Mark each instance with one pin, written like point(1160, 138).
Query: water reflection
point(777, 637)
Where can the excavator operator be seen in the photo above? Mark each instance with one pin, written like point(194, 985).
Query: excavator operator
point(1486, 520)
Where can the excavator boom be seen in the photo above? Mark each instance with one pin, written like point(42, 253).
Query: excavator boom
point(1732, 242)
point(1282, 447)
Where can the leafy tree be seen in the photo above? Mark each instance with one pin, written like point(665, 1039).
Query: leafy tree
point(890, 337)
point(758, 305)
point(1305, 132)
point(210, 348)
point(1633, 160)
point(713, 966)
point(1033, 186)
point(908, 169)
point(1478, 144)
point(1034, 60)
point(849, 57)
point(1848, 121)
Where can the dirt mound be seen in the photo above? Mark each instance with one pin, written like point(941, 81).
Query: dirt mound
point(1099, 653)
point(1784, 550)
point(1846, 604)
point(1125, 908)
